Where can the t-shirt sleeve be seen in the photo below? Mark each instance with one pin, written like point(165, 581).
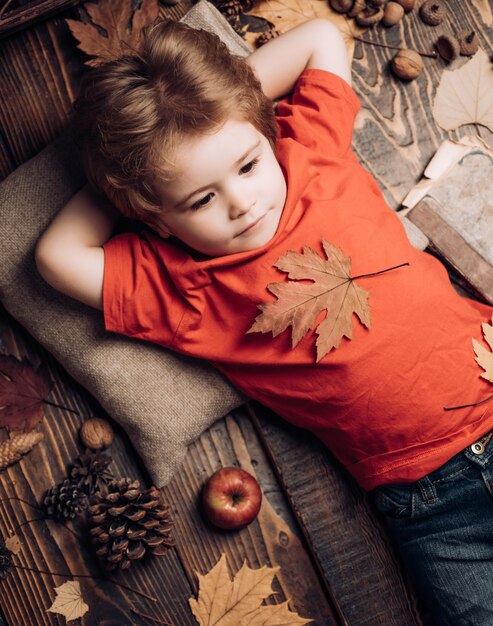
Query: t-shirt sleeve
point(319, 113)
point(140, 298)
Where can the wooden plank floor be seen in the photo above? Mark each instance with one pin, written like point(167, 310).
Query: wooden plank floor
point(337, 565)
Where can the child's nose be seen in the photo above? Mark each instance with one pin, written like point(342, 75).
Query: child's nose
point(239, 204)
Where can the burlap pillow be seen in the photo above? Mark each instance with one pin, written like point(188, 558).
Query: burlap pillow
point(163, 400)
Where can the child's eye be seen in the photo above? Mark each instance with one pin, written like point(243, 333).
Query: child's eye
point(202, 202)
point(249, 167)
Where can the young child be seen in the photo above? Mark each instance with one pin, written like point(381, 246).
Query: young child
point(183, 137)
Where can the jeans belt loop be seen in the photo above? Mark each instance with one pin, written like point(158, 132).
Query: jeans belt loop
point(427, 489)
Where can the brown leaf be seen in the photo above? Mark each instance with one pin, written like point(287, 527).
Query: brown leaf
point(286, 14)
point(22, 391)
point(69, 601)
point(465, 95)
point(484, 357)
point(115, 17)
point(299, 304)
point(237, 602)
point(13, 544)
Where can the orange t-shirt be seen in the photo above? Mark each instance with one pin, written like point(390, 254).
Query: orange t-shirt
point(377, 400)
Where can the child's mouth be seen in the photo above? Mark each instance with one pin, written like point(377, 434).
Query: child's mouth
point(252, 226)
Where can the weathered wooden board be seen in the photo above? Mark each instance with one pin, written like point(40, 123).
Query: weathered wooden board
point(23, 16)
point(351, 547)
point(451, 246)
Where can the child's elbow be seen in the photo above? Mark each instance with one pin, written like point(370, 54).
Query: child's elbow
point(46, 261)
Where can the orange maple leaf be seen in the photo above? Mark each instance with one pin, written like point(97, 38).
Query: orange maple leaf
point(299, 304)
point(114, 17)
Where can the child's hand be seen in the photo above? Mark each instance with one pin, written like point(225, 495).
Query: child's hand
point(69, 255)
point(317, 44)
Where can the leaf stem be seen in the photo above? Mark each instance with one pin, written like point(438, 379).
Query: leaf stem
point(380, 272)
point(150, 617)
point(431, 55)
point(5, 7)
point(104, 578)
point(464, 406)
point(60, 406)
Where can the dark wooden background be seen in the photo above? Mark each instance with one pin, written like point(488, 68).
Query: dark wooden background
point(337, 564)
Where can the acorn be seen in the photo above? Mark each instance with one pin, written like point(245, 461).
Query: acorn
point(433, 12)
point(369, 16)
point(407, 64)
point(392, 14)
point(407, 5)
point(342, 6)
point(448, 47)
point(96, 433)
point(358, 6)
point(468, 43)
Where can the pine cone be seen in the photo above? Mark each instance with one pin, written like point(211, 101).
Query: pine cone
point(64, 501)
point(12, 449)
point(90, 472)
point(127, 523)
point(263, 38)
point(230, 7)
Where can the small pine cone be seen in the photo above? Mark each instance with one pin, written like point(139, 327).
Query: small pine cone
point(263, 38)
point(127, 523)
point(64, 501)
point(230, 7)
point(13, 449)
point(90, 472)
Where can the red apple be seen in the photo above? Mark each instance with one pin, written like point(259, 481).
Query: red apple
point(231, 498)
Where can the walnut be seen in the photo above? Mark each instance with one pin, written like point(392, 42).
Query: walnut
point(392, 13)
point(407, 5)
point(468, 43)
point(448, 47)
point(433, 12)
point(407, 64)
point(96, 433)
point(369, 16)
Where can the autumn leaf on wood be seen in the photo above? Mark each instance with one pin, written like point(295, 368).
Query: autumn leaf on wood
point(299, 304)
point(465, 95)
point(69, 601)
point(22, 393)
point(237, 602)
point(286, 14)
point(484, 357)
point(13, 544)
point(115, 17)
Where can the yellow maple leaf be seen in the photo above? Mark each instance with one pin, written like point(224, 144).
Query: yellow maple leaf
point(237, 602)
point(484, 357)
point(286, 14)
point(465, 95)
point(69, 601)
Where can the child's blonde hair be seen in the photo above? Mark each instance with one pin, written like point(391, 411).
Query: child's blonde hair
point(132, 113)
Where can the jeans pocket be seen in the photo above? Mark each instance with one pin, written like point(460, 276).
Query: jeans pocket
point(394, 501)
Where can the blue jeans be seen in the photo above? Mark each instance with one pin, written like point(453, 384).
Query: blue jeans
point(442, 526)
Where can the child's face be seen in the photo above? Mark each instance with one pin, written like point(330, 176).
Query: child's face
point(229, 193)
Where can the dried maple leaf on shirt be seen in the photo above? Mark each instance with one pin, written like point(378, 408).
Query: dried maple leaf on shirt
point(238, 601)
point(22, 393)
point(123, 28)
point(299, 304)
point(484, 357)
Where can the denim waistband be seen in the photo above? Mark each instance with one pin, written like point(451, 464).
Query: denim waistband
point(478, 454)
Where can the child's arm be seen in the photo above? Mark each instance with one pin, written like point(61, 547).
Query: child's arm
point(69, 255)
point(317, 44)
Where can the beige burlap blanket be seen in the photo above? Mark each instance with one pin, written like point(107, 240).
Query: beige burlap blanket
point(163, 400)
